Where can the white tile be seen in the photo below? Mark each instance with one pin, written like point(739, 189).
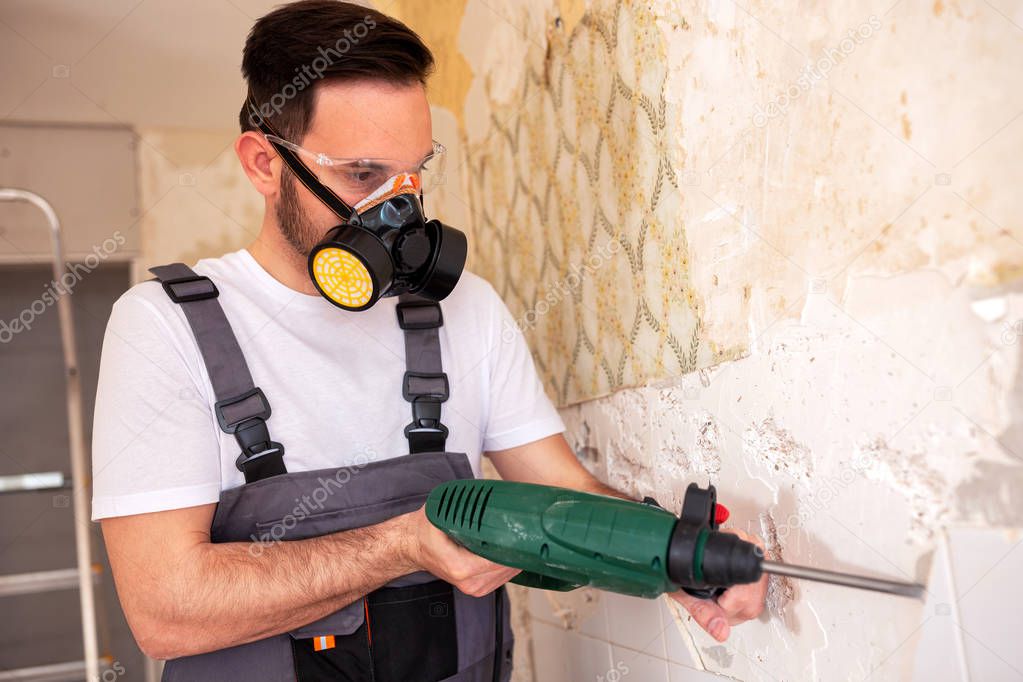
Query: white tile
point(938, 654)
point(548, 650)
point(986, 569)
point(539, 606)
point(578, 610)
point(565, 656)
point(677, 645)
point(635, 623)
point(680, 673)
point(633, 665)
point(591, 609)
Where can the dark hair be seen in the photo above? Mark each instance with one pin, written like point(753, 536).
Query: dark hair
point(298, 45)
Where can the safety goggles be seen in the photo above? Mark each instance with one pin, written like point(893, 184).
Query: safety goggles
point(359, 177)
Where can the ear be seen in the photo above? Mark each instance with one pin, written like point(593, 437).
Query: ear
point(260, 162)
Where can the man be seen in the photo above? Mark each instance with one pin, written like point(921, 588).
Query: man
point(330, 84)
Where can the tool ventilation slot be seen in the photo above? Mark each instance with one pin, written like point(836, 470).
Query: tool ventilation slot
point(440, 502)
point(464, 505)
point(483, 507)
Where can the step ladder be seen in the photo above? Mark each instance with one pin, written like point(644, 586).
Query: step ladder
point(85, 574)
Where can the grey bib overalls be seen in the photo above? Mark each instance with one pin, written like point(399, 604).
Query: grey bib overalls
point(414, 629)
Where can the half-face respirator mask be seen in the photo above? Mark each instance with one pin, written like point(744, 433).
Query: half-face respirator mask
point(384, 245)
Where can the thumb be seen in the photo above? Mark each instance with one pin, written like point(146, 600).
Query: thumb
point(706, 613)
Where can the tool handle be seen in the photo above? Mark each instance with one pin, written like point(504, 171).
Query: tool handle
point(543, 582)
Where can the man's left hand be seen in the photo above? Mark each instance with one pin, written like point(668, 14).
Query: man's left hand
point(737, 605)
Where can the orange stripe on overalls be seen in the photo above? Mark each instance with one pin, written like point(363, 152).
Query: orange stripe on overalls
point(369, 632)
point(323, 642)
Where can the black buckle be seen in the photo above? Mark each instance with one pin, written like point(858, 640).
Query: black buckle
point(260, 457)
point(254, 439)
point(231, 427)
point(409, 395)
point(243, 459)
point(429, 324)
point(211, 292)
point(426, 418)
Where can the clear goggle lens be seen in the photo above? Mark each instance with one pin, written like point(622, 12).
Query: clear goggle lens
point(360, 177)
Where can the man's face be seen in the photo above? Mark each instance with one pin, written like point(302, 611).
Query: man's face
point(365, 119)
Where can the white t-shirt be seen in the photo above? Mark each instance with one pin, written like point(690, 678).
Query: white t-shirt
point(333, 380)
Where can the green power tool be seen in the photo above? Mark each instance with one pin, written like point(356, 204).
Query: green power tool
point(564, 539)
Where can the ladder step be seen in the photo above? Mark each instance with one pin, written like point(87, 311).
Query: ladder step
point(44, 480)
point(72, 671)
point(42, 581)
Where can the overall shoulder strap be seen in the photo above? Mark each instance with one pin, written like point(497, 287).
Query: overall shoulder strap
point(425, 384)
point(241, 407)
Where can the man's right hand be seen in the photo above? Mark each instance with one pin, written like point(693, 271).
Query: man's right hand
point(429, 549)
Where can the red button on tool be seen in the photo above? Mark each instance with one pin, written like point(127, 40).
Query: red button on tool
point(720, 514)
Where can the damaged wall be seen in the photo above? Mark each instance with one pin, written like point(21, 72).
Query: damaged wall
point(196, 201)
point(776, 247)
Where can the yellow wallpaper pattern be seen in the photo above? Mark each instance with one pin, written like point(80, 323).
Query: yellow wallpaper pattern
point(576, 208)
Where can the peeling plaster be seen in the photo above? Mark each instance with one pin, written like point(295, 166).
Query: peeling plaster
point(993, 494)
point(780, 589)
point(437, 23)
point(925, 488)
point(768, 442)
point(878, 445)
point(569, 13)
point(195, 199)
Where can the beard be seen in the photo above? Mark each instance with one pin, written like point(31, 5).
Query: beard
point(301, 234)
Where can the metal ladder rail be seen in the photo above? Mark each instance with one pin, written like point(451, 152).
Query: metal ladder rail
point(76, 435)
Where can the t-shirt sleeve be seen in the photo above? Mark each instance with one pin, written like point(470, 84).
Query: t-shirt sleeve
point(154, 444)
point(520, 411)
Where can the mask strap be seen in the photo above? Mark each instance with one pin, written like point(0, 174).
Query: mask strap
point(306, 176)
